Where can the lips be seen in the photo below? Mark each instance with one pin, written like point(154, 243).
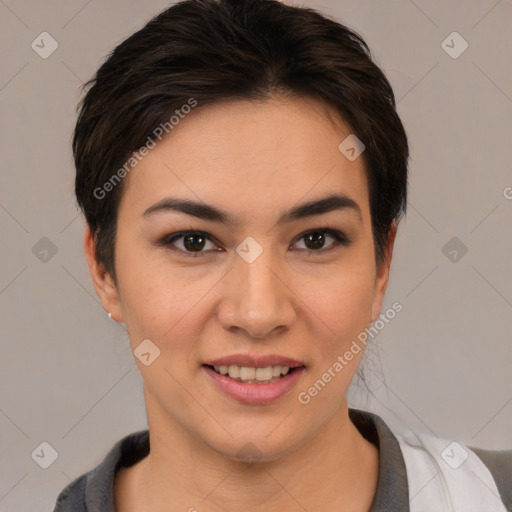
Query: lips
point(252, 393)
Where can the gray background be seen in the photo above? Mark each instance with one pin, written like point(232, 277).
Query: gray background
point(442, 365)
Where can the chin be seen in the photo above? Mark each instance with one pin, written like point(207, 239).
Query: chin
point(254, 446)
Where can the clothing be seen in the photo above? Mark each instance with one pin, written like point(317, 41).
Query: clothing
point(94, 491)
point(444, 475)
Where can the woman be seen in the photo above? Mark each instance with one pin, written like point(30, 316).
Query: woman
point(242, 171)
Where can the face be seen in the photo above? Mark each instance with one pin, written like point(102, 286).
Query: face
point(250, 272)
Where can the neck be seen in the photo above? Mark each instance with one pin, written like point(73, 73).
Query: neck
point(184, 472)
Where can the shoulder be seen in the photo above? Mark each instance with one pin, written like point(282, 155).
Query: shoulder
point(430, 473)
point(450, 473)
point(93, 491)
point(72, 498)
point(499, 464)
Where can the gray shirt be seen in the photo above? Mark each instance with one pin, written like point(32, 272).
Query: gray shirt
point(94, 491)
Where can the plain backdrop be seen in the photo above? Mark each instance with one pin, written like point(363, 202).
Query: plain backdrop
point(442, 365)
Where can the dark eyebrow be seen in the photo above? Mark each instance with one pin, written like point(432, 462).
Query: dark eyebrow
point(211, 213)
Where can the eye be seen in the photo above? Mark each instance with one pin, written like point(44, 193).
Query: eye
point(315, 240)
point(193, 242)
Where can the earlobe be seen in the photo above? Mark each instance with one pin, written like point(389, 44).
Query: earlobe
point(382, 274)
point(102, 281)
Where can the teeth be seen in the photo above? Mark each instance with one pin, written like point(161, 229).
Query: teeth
point(247, 373)
point(264, 373)
point(251, 374)
point(234, 372)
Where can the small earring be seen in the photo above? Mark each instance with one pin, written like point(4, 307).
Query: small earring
point(110, 316)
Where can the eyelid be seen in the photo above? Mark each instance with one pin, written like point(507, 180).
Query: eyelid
point(340, 240)
point(168, 241)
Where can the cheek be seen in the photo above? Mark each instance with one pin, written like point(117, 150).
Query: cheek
point(157, 298)
point(341, 299)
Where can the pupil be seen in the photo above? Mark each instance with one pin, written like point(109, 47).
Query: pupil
point(317, 238)
point(189, 242)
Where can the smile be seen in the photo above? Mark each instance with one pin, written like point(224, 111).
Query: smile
point(253, 375)
point(254, 385)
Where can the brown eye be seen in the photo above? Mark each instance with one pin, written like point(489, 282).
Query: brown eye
point(315, 241)
point(192, 243)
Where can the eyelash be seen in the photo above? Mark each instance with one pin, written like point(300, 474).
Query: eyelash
point(339, 240)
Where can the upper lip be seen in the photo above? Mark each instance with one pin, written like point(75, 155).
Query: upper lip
point(254, 361)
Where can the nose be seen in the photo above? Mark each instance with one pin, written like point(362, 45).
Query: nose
point(257, 298)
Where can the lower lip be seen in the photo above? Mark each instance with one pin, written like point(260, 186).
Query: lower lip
point(255, 393)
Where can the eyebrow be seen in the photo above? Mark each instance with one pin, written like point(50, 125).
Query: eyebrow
point(211, 213)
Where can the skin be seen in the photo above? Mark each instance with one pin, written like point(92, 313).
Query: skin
point(254, 160)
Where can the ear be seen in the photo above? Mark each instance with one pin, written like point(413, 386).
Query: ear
point(103, 283)
point(382, 273)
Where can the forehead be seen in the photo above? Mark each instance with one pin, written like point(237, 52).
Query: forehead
point(250, 157)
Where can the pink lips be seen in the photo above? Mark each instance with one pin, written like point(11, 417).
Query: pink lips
point(255, 393)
